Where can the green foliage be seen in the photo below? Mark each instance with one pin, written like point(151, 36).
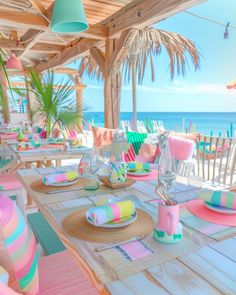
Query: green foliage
point(54, 105)
point(3, 103)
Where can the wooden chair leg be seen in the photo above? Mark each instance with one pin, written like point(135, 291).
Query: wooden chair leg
point(58, 162)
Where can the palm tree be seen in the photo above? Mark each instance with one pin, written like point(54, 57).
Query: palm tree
point(4, 106)
point(147, 44)
point(53, 104)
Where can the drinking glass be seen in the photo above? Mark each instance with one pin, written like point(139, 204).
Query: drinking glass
point(89, 167)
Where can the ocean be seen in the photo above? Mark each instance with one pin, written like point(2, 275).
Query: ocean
point(205, 123)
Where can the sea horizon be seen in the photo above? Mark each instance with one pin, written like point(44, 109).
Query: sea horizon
point(211, 123)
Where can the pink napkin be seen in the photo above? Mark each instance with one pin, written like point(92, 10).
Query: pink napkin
point(134, 250)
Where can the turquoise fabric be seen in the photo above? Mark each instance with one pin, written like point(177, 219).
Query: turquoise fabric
point(44, 234)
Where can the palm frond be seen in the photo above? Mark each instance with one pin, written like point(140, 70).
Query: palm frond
point(149, 43)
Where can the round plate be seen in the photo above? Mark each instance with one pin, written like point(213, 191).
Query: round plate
point(219, 209)
point(65, 183)
point(117, 224)
point(140, 173)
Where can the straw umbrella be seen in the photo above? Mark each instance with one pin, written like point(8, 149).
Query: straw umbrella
point(147, 44)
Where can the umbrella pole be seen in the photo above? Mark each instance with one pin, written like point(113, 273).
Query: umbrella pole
point(134, 92)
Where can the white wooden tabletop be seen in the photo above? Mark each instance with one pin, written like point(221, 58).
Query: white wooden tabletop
point(204, 262)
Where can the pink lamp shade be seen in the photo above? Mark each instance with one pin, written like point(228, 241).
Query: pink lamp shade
point(14, 63)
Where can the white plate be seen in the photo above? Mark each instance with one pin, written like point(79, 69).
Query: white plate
point(139, 173)
point(219, 209)
point(124, 223)
point(65, 183)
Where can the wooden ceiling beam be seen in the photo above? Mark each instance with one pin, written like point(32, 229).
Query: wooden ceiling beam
point(40, 47)
point(38, 23)
point(37, 4)
point(137, 14)
point(141, 13)
point(15, 19)
point(68, 54)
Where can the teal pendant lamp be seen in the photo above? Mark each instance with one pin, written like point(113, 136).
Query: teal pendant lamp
point(69, 17)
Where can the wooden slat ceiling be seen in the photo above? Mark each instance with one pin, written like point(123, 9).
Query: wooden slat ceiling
point(47, 43)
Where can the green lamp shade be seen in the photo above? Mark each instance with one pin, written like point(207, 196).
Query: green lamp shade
point(69, 17)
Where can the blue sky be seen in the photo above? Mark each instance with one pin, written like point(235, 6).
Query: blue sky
point(204, 90)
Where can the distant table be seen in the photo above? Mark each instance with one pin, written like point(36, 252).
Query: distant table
point(204, 262)
point(47, 154)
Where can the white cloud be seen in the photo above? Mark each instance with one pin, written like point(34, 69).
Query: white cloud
point(179, 86)
point(94, 86)
point(187, 88)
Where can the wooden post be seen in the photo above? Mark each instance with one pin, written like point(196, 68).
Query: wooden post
point(109, 49)
point(5, 108)
point(112, 89)
point(79, 88)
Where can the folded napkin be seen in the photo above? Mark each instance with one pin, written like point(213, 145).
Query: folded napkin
point(111, 212)
point(60, 177)
point(138, 166)
point(220, 198)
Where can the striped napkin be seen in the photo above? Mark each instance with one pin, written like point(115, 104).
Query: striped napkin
point(111, 212)
point(138, 166)
point(60, 177)
point(224, 199)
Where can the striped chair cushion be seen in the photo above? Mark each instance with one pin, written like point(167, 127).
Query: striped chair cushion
point(18, 254)
point(102, 136)
point(136, 139)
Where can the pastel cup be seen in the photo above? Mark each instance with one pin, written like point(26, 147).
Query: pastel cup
point(168, 229)
point(117, 172)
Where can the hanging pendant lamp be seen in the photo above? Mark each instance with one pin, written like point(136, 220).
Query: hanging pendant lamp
point(69, 17)
point(14, 63)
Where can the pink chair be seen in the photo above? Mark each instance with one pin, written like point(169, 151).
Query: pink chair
point(56, 274)
point(10, 185)
point(60, 275)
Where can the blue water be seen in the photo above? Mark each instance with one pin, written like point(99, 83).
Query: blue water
point(204, 122)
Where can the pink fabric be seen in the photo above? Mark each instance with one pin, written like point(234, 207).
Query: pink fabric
point(9, 182)
point(102, 136)
point(5, 290)
point(43, 134)
point(147, 153)
point(130, 155)
point(197, 208)
point(60, 275)
point(151, 176)
point(8, 136)
point(181, 148)
point(135, 250)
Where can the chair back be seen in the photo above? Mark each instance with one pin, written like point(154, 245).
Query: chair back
point(216, 159)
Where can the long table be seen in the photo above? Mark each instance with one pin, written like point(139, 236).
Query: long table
point(52, 154)
point(204, 262)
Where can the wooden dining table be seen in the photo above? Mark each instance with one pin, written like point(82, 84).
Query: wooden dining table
point(203, 262)
point(45, 153)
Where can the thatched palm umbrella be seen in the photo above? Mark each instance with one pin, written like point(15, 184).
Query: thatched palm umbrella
point(147, 44)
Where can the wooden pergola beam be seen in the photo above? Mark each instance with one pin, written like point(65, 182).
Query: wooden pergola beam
point(99, 57)
point(37, 4)
point(68, 54)
point(21, 19)
point(138, 13)
point(141, 13)
point(39, 47)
